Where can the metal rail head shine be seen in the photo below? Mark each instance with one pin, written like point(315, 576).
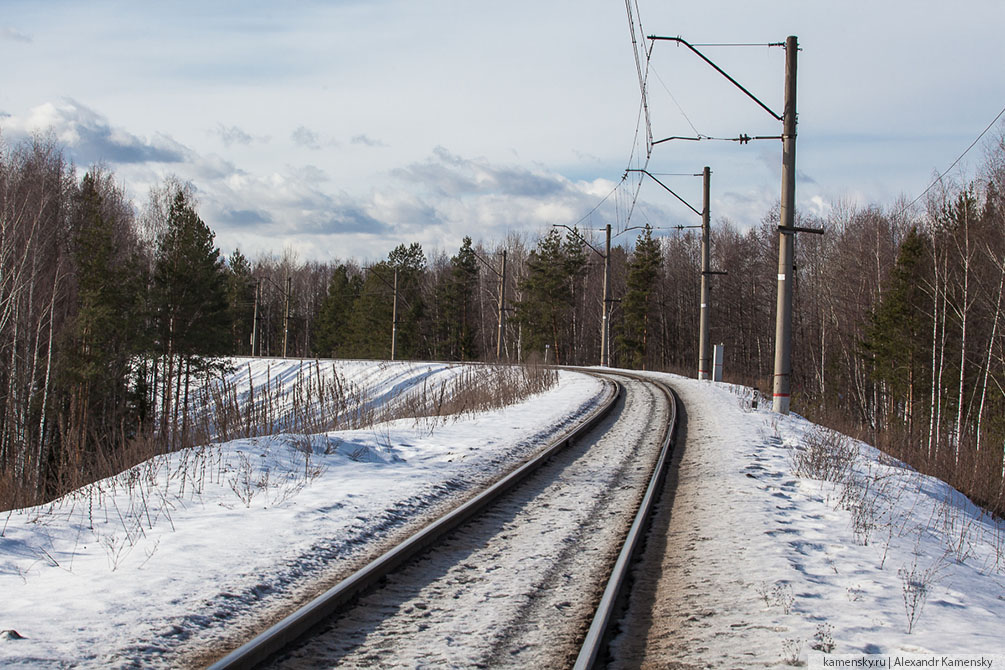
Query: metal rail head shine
point(257, 651)
point(595, 643)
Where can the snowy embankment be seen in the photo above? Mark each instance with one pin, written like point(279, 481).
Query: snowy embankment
point(770, 565)
point(783, 552)
point(140, 567)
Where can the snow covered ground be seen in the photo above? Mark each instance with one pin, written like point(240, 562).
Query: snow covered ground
point(776, 568)
point(136, 569)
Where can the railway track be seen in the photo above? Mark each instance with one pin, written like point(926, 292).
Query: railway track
point(520, 575)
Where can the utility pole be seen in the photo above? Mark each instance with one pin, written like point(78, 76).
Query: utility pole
point(787, 228)
point(502, 309)
point(254, 322)
point(786, 237)
point(394, 316)
point(605, 326)
point(286, 317)
point(704, 348)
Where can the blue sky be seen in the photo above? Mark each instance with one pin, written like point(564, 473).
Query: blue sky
point(344, 128)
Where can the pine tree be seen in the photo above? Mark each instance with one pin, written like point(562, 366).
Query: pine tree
point(370, 320)
point(574, 261)
point(105, 331)
point(458, 316)
point(240, 302)
point(639, 305)
point(899, 331)
point(410, 264)
point(545, 308)
point(332, 336)
point(189, 294)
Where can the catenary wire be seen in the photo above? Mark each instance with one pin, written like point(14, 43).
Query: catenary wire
point(955, 162)
point(675, 101)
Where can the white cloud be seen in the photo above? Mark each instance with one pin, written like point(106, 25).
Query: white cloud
point(304, 137)
point(90, 138)
point(367, 141)
point(231, 135)
point(12, 35)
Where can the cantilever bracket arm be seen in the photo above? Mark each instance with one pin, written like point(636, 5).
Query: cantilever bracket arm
point(668, 189)
point(718, 69)
point(791, 230)
point(581, 238)
point(486, 264)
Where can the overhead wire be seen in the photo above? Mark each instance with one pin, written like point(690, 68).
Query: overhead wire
point(643, 74)
point(597, 206)
point(955, 162)
point(626, 199)
point(679, 108)
point(740, 44)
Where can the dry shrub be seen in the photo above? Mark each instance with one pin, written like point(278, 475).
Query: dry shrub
point(313, 404)
point(218, 411)
point(826, 455)
point(476, 389)
point(977, 473)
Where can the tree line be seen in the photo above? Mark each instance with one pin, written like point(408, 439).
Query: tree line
point(109, 314)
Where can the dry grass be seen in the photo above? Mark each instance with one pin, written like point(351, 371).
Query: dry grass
point(826, 455)
point(977, 473)
point(315, 403)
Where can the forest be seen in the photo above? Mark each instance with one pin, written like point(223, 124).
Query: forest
point(112, 312)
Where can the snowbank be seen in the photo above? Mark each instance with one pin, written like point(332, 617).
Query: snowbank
point(138, 568)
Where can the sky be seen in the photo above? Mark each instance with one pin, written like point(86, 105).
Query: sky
point(342, 129)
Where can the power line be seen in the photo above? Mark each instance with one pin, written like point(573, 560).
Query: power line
point(679, 108)
point(948, 169)
point(635, 198)
point(590, 213)
point(741, 44)
point(638, 68)
point(742, 138)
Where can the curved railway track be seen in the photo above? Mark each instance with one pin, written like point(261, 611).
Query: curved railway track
point(528, 572)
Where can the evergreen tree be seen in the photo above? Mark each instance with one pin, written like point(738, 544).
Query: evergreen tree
point(369, 328)
point(457, 295)
point(332, 336)
point(574, 259)
point(189, 294)
point(410, 264)
point(240, 302)
point(898, 335)
point(104, 334)
point(547, 300)
point(370, 319)
point(189, 286)
point(639, 304)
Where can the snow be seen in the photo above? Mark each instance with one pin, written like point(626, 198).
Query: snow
point(140, 568)
point(136, 568)
point(512, 587)
point(778, 568)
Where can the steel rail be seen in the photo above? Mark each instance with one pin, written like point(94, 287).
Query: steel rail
point(281, 635)
point(597, 637)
